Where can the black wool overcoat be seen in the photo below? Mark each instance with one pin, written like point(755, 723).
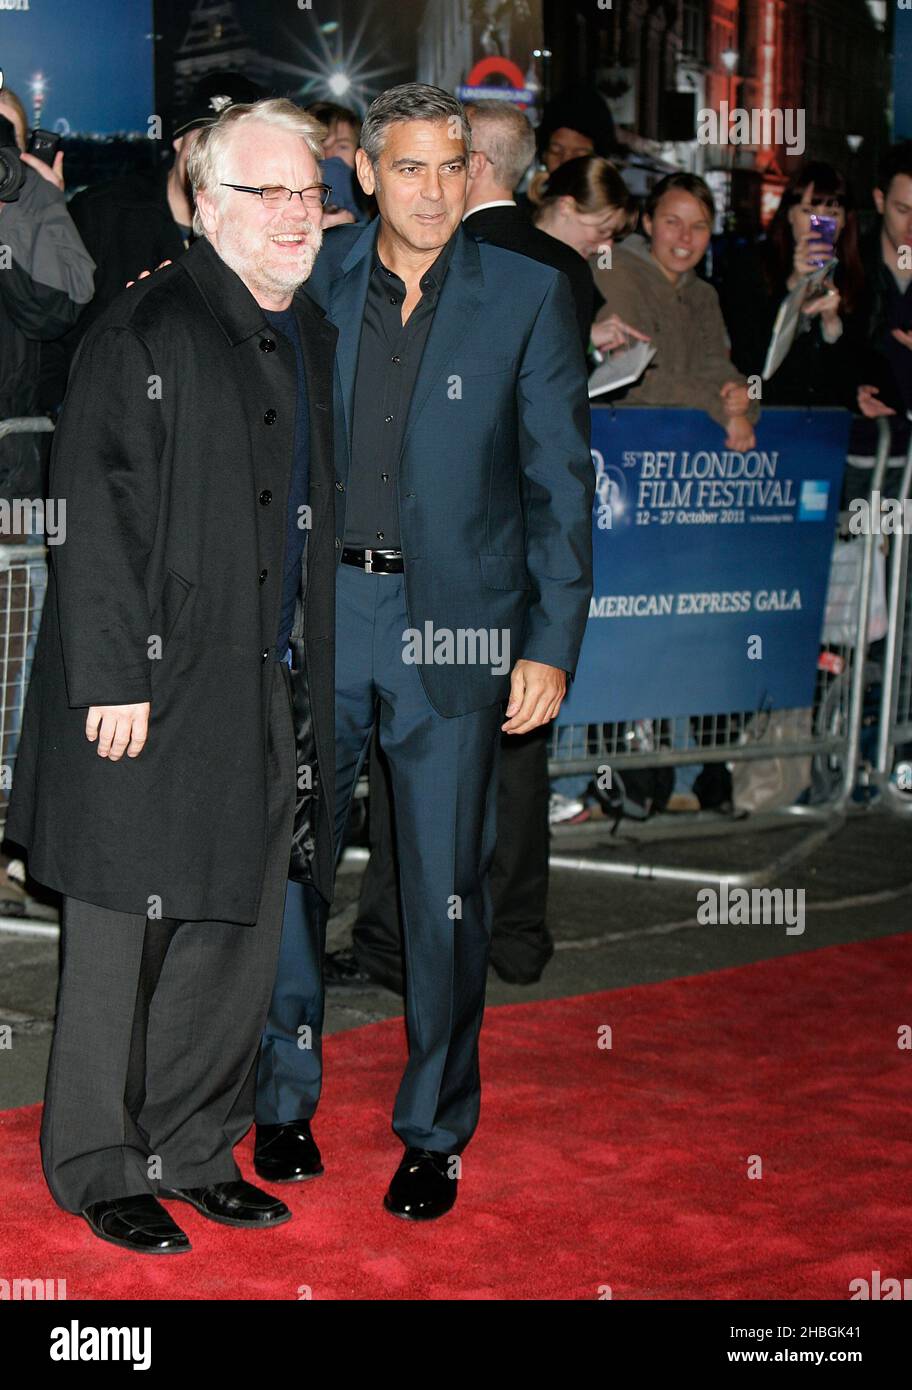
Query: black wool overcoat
point(173, 457)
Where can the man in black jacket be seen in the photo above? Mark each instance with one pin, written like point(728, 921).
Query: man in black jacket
point(504, 150)
point(886, 369)
point(160, 784)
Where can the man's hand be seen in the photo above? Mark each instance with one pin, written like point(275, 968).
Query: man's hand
point(536, 694)
point(144, 274)
point(119, 729)
point(870, 407)
point(53, 174)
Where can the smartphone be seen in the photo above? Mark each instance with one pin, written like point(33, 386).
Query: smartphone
point(43, 144)
point(824, 229)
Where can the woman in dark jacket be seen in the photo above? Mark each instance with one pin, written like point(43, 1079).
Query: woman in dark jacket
point(819, 368)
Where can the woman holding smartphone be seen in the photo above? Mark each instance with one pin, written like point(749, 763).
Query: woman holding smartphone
point(815, 223)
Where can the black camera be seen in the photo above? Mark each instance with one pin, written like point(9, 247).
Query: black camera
point(12, 170)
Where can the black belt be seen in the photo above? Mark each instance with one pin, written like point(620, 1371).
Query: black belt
point(374, 561)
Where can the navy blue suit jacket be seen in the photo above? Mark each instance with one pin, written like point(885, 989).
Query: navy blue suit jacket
point(496, 480)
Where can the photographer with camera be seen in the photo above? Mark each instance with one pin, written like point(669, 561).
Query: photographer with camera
point(46, 277)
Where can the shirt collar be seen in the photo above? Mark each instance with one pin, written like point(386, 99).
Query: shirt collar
point(496, 203)
point(432, 279)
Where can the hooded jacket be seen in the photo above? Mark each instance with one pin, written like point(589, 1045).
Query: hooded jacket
point(684, 321)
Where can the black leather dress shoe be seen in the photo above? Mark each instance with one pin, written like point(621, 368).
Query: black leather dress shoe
point(235, 1203)
point(286, 1153)
point(420, 1189)
point(137, 1223)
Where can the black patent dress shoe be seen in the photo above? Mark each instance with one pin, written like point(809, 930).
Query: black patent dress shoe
point(235, 1203)
point(420, 1189)
point(137, 1223)
point(287, 1152)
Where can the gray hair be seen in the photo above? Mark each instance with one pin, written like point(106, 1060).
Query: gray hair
point(208, 156)
point(412, 101)
point(507, 136)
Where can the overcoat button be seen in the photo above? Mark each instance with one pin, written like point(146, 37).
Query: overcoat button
point(263, 574)
point(265, 497)
point(267, 345)
point(340, 487)
point(270, 417)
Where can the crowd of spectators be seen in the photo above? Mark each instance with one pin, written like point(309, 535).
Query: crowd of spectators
point(637, 271)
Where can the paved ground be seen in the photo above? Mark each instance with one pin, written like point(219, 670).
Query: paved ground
point(610, 931)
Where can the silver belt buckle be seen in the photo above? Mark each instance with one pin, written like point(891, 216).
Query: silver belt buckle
point(368, 562)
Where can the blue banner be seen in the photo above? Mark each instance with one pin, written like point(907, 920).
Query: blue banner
point(710, 566)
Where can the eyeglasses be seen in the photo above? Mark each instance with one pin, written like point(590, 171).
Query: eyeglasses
point(315, 195)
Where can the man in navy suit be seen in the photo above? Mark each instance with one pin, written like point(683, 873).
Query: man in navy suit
point(463, 533)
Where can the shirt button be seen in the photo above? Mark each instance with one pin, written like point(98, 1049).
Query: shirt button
point(270, 417)
point(393, 299)
point(265, 497)
point(263, 574)
point(340, 487)
point(267, 345)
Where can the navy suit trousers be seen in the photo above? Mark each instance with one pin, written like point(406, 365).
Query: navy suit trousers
point(444, 798)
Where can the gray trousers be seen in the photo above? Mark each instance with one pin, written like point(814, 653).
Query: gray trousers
point(152, 1073)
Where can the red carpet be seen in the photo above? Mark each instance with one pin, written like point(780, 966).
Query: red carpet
point(624, 1167)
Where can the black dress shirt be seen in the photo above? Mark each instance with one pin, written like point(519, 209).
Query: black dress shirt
point(389, 357)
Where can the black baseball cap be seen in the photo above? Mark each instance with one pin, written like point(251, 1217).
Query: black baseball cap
point(212, 95)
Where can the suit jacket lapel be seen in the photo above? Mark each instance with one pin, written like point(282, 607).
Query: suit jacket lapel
point(347, 298)
point(318, 338)
point(459, 302)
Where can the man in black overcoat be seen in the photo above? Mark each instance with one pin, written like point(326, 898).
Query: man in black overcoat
point(179, 722)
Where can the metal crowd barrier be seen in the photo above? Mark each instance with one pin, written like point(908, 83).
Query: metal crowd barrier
point(892, 771)
point(23, 581)
point(832, 742)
